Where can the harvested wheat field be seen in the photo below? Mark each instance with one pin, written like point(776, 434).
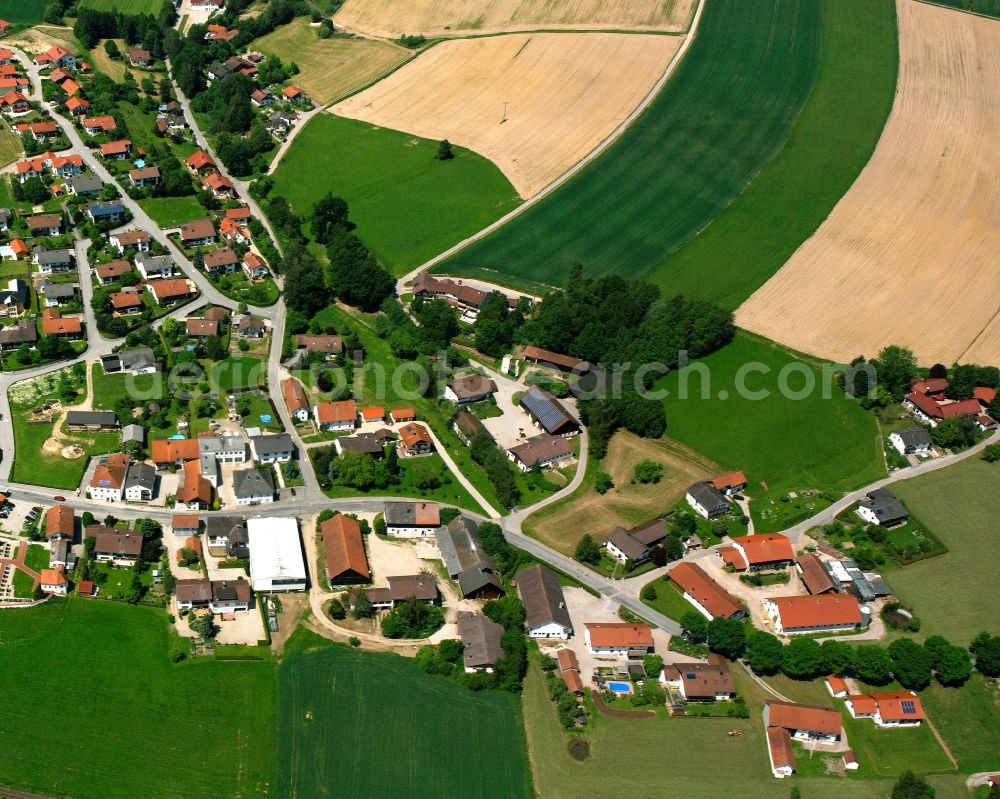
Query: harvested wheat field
point(909, 254)
point(434, 18)
point(330, 68)
point(563, 93)
point(627, 504)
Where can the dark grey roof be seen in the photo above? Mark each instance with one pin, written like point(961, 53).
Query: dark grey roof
point(91, 417)
point(546, 409)
point(914, 437)
point(884, 504)
point(365, 443)
point(404, 514)
point(110, 208)
point(249, 483)
point(460, 547)
point(85, 184)
point(623, 540)
point(133, 432)
point(138, 358)
point(58, 290)
point(140, 474)
point(268, 445)
point(542, 596)
point(153, 262)
point(46, 257)
point(707, 495)
point(480, 640)
point(217, 526)
point(477, 578)
point(15, 292)
point(24, 332)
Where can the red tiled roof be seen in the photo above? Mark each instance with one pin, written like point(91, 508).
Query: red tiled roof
point(403, 414)
point(166, 289)
point(804, 717)
point(169, 450)
point(122, 300)
point(984, 395)
point(184, 521)
point(195, 487)
point(54, 324)
point(694, 581)
point(200, 159)
point(105, 123)
point(373, 414)
point(824, 610)
point(291, 91)
point(114, 269)
point(620, 634)
point(413, 434)
point(731, 557)
point(59, 521)
point(766, 548)
point(779, 744)
point(729, 480)
point(890, 705)
point(342, 411)
point(295, 395)
point(932, 385)
point(837, 684)
point(120, 147)
point(344, 547)
point(566, 361)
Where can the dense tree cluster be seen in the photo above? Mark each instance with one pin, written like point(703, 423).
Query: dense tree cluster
point(497, 324)
point(499, 471)
point(412, 618)
point(142, 30)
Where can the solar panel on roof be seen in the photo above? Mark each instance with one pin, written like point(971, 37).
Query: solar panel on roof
point(909, 707)
point(544, 410)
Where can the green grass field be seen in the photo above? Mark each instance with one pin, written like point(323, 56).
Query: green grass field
point(960, 506)
point(108, 389)
point(809, 443)
point(407, 205)
point(969, 720)
point(238, 371)
point(713, 133)
point(169, 212)
point(127, 7)
point(669, 601)
point(132, 724)
point(26, 11)
point(355, 723)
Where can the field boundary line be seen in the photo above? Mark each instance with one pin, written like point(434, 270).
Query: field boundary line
point(968, 11)
point(580, 165)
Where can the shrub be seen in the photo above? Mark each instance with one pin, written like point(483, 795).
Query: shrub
point(579, 748)
point(604, 483)
point(648, 471)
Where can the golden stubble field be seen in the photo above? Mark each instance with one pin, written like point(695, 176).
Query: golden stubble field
point(910, 254)
point(534, 104)
point(627, 504)
point(433, 18)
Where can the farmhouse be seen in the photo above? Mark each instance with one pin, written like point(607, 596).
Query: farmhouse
point(810, 614)
point(814, 575)
point(276, 562)
point(467, 561)
point(453, 292)
point(61, 554)
point(932, 408)
point(554, 360)
point(887, 708)
point(419, 586)
point(805, 722)
point(548, 413)
point(412, 519)
point(340, 415)
point(708, 597)
point(112, 546)
point(881, 507)
point(635, 545)
point(473, 388)
point(706, 500)
point(403, 415)
point(759, 552)
point(545, 611)
point(910, 440)
point(344, 548)
point(545, 451)
point(617, 638)
point(780, 752)
point(480, 641)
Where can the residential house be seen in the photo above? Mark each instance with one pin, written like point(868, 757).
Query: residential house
point(227, 536)
point(880, 506)
point(121, 547)
point(761, 552)
point(13, 336)
point(255, 267)
point(14, 104)
point(701, 682)
point(170, 291)
point(15, 298)
point(412, 519)
point(261, 98)
point(138, 361)
point(222, 188)
point(220, 32)
point(201, 163)
point(51, 261)
point(6, 217)
point(544, 451)
point(805, 722)
point(45, 224)
point(365, 444)
point(706, 500)
point(116, 150)
point(344, 547)
point(222, 261)
point(276, 561)
point(548, 413)
point(545, 611)
point(888, 709)
point(77, 106)
point(84, 185)
point(130, 240)
point(251, 327)
point(137, 57)
point(95, 126)
point(467, 561)
point(185, 524)
point(277, 448)
point(253, 487)
point(194, 490)
point(229, 596)
point(234, 232)
point(153, 267)
point(617, 638)
point(111, 211)
point(474, 388)
point(117, 477)
point(126, 303)
point(569, 670)
point(4, 30)
point(836, 686)
point(201, 328)
point(330, 346)
point(62, 555)
point(480, 638)
point(295, 399)
point(333, 416)
point(708, 597)
point(419, 586)
point(59, 523)
point(910, 440)
point(55, 56)
point(55, 324)
point(144, 176)
point(280, 123)
point(372, 414)
point(167, 452)
point(790, 615)
point(53, 581)
point(193, 593)
point(730, 483)
point(294, 94)
point(40, 131)
point(64, 165)
point(197, 233)
point(414, 440)
point(70, 87)
point(635, 545)
point(467, 426)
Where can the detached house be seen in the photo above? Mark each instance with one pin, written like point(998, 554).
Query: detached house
point(56, 294)
point(154, 266)
point(14, 104)
point(197, 233)
point(95, 126)
point(419, 586)
point(618, 638)
point(227, 536)
point(706, 500)
point(253, 487)
point(126, 303)
point(45, 224)
point(116, 150)
point(112, 211)
point(201, 163)
point(474, 388)
point(759, 552)
point(812, 614)
point(415, 439)
point(55, 324)
point(166, 292)
point(131, 240)
point(55, 56)
point(222, 188)
point(255, 267)
point(222, 261)
point(910, 440)
point(138, 57)
point(544, 451)
point(51, 261)
point(84, 186)
point(545, 611)
point(145, 176)
point(635, 545)
point(277, 448)
point(340, 415)
point(412, 519)
point(113, 546)
point(295, 399)
point(891, 709)
point(880, 506)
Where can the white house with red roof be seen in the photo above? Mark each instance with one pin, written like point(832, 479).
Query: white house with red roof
point(888, 709)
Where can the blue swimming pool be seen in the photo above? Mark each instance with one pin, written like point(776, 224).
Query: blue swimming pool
point(620, 687)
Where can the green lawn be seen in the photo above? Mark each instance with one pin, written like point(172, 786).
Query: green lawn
point(959, 505)
point(741, 156)
point(809, 443)
point(170, 212)
point(37, 557)
point(407, 205)
point(669, 601)
point(356, 723)
point(10, 147)
point(26, 11)
point(672, 758)
point(108, 389)
point(24, 584)
point(238, 371)
point(137, 725)
point(127, 7)
point(969, 720)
